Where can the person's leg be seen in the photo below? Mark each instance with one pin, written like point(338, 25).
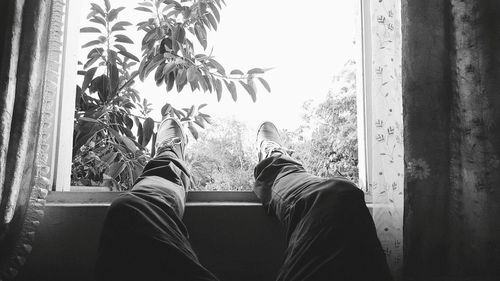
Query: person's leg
point(143, 237)
point(330, 232)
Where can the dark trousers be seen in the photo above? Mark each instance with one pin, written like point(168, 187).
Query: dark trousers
point(330, 232)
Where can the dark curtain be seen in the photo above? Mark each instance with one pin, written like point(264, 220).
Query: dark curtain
point(24, 34)
point(451, 101)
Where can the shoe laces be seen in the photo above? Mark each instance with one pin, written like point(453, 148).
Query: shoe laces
point(168, 144)
point(268, 147)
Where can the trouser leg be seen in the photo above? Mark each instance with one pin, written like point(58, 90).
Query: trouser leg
point(143, 237)
point(330, 232)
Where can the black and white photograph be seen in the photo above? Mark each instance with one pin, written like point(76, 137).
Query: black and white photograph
point(232, 140)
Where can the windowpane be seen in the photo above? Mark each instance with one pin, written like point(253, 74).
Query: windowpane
point(311, 54)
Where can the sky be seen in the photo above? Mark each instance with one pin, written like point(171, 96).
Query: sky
point(305, 42)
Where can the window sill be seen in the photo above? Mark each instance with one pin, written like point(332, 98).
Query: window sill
point(194, 198)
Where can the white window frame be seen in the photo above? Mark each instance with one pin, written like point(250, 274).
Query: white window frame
point(60, 152)
point(62, 149)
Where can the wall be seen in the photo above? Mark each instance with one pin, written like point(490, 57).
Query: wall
point(235, 242)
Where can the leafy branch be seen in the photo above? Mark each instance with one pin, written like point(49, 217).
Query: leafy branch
point(168, 49)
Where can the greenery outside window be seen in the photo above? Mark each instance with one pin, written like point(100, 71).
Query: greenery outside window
point(109, 150)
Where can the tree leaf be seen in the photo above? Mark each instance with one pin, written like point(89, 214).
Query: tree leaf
point(201, 81)
point(178, 35)
point(265, 84)
point(181, 79)
point(129, 122)
point(88, 119)
point(123, 139)
point(201, 35)
point(232, 89)
point(127, 132)
point(167, 7)
point(140, 134)
point(98, 20)
point(218, 66)
point(190, 111)
point(159, 74)
point(123, 39)
point(90, 29)
point(218, 89)
point(236, 72)
point(212, 20)
point(168, 67)
point(218, 4)
point(115, 169)
point(215, 11)
point(107, 4)
point(193, 130)
point(250, 91)
point(147, 130)
point(165, 110)
point(91, 61)
point(251, 83)
point(144, 9)
point(95, 52)
point(109, 157)
point(206, 23)
point(114, 80)
point(120, 25)
point(199, 121)
point(152, 64)
point(88, 77)
point(255, 71)
point(91, 43)
point(98, 9)
point(191, 74)
point(114, 13)
point(170, 81)
point(172, 14)
point(145, 3)
point(128, 55)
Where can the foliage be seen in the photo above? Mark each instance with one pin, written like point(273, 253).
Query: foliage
point(331, 148)
point(172, 31)
point(105, 150)
point(222, 158)
point(169, 48)
point(104, 147)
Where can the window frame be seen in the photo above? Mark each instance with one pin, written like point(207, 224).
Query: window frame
point(60, 151)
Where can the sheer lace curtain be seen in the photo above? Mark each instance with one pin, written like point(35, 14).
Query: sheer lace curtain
point(384, 127)
point(24, 29)
point(451, 102)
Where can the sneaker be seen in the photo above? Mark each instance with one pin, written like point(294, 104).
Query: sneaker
point(171, 137)
point(269, 141)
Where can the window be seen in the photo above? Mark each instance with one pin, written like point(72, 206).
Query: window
point(300, 49)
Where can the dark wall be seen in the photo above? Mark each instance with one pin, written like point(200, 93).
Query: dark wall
point(3, 24)
point(235, 242)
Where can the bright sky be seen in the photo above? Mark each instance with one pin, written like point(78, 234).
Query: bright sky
point(307, 42)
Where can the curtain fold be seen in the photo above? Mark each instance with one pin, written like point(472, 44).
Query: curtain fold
point(23, 57)
point(451, 100)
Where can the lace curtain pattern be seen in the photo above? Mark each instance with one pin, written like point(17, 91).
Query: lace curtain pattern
point(386, 151)
point(451, 83)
